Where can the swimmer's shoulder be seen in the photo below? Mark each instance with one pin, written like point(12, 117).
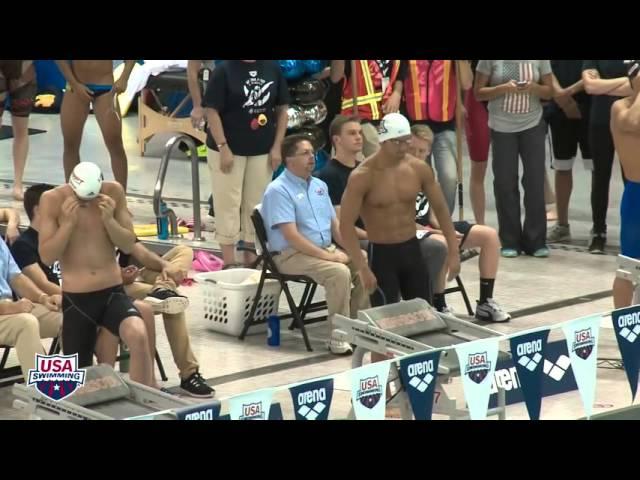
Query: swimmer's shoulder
point(113, 189)
point(361, 176)
point(56, 196)
point(619, 107)
point(417, 165)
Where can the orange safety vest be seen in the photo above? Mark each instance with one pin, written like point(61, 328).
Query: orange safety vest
point(370, 94)
point(430, 90)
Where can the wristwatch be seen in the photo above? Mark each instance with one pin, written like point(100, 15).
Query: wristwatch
point(634, 69)
point(220, 145)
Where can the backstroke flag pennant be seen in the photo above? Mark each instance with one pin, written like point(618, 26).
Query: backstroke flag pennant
point(626, 323)
point(419, 374)
point(477, 366)
point(251, 406)
point(582, 342)
point(369, 390)
point(312, 400)
point(528, 356)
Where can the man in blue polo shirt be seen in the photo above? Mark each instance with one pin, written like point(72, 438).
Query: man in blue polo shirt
point(24, 322)
point(301, 226)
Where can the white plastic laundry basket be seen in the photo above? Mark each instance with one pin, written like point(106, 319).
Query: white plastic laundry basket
point(227, 297)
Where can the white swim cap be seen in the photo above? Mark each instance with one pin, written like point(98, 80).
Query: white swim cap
point(393, 125)
point(86, 180)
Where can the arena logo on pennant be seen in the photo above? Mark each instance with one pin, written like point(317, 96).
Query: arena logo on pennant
point(478, 367)
point(583, 343)
point(421, 375)
point(56, 376)
point(370, 391)
point(312, 403)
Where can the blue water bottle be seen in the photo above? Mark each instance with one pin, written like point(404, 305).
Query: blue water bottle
point(163, 222)
point(273, 339)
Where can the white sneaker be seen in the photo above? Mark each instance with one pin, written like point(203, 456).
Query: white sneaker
point(449, 311)
point(339, 347)
point(163, 300)
point(490, 311)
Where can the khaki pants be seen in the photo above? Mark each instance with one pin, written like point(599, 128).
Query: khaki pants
point(175, 326)
point(235, 195)
point(24, 331)
point(336, 278)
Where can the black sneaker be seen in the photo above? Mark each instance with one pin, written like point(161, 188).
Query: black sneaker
point(195, 386)
point(598, 242)
point(164, 300)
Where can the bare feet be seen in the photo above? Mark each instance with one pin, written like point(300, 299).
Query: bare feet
point(17, 193)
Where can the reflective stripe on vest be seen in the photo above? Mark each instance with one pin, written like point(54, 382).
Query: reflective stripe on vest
point(430, 90)
point(368, 97)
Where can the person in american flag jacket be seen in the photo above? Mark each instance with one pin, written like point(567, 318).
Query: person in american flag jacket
point(514, 90)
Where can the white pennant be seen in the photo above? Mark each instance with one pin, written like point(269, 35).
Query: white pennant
point(251, 406)
point(582, 342)
point(369, 390)
point(477, 366)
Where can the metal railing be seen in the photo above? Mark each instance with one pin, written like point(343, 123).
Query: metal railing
point(195, 181)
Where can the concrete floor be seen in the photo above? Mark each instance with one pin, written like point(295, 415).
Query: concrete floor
point(569, 284)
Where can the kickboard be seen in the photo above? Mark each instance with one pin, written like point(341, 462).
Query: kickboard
point(151, 230)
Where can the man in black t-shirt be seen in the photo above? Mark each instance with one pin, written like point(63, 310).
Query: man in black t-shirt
point(346, 137)
point(246, 108)
point(25, 248)
point(568, 116)
point(606, 81)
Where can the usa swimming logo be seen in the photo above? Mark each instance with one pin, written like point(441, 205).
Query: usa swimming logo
point(56, 376)
point(477, 367)
point(252, 411)
point(583, 343)
point(370, 391)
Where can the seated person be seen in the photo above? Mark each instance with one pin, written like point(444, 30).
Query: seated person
point(301, 225)
point(158, 294)
point(24, 322)
point(12, 219)
point(156, 283)
point(346, 137)
point(25, 252)
point(470, 236)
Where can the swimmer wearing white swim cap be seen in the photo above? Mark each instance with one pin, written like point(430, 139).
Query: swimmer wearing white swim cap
point(86, 180)
point(84, 240)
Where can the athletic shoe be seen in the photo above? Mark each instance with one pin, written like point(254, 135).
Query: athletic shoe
point(541, 252)
point(490, 311)
point(509, 252)
point(164, 300)
point(559, 233)
point(196, 386)
point(339, 347)
point(598, 241)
